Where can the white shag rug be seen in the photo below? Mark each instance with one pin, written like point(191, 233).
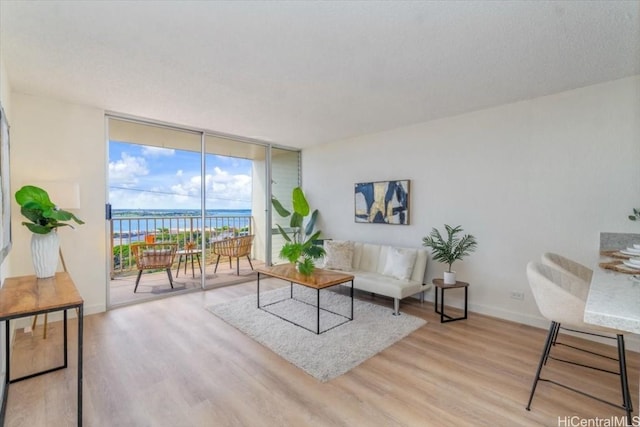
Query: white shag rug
point(324, 356)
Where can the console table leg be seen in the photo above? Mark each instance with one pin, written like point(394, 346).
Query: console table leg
point(80, 351)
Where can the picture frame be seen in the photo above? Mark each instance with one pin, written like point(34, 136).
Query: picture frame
point(382, 202)
point(5, 187)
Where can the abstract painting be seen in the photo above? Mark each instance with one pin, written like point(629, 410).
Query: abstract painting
point(382, 202)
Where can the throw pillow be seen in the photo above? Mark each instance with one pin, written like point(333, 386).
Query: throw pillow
point(400, 263)
point(339, 255)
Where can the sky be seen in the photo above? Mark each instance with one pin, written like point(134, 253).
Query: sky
point(145, 177)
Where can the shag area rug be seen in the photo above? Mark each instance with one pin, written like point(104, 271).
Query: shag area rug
point(331, 353)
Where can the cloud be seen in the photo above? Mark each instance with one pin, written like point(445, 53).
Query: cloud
point(224, 190)
point(150, 151)
point(138, 182)
point(127, 171)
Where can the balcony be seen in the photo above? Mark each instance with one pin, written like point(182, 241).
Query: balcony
point(185, 231)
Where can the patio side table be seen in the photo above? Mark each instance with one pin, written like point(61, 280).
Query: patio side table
point(186, 254)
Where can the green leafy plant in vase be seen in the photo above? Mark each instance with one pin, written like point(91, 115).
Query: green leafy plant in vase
point(450, 249)
point(300, 248)
point(45, 218)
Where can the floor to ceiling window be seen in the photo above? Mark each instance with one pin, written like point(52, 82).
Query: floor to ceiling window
point(197, 192)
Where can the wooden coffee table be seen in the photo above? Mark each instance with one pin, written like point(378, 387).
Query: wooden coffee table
point(320, 279)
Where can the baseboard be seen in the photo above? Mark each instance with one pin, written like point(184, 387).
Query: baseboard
point(632, 341)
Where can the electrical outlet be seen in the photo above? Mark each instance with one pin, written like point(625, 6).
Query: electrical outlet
point(27, 330)
point(519, 295)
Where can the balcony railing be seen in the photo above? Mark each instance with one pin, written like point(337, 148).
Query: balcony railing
point(179, 229)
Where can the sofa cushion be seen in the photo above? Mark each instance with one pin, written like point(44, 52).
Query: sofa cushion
point(399, 263)
point(338, 255)
point(367, 257)
point(385, 285)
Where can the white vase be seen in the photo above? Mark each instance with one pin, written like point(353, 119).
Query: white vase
point(44, 252)
point(449, 278)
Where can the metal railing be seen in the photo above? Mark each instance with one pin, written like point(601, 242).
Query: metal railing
point(182, 230)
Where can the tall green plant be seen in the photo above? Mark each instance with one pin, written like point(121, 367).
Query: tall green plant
point(452, 248)
point(45, 217)
point(300, 247)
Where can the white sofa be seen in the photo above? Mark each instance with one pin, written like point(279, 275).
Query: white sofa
point(381, 269)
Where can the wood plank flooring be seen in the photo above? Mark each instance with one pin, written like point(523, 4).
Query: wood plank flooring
point(170, 362)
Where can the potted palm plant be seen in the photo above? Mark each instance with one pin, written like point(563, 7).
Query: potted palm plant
point(300, 248)
point(451, 249)
point(44, 220)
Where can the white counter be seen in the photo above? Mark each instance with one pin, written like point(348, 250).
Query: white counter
point(614, 300)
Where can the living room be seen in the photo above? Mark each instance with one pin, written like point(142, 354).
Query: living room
point(527, 176)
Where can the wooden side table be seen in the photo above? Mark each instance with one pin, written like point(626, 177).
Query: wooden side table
point(27, 296)
point(439, 284)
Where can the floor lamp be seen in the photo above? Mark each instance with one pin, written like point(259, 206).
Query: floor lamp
point(66, 195)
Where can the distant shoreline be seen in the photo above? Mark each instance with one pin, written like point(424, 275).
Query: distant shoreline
point(131, 225)
point(120, 213)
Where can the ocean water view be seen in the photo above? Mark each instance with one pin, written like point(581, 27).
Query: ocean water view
point(136, 213)
point(131, 225)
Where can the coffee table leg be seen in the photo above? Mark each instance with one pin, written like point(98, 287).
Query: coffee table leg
point(352, 300)
point(258, 292)
point(318, 328)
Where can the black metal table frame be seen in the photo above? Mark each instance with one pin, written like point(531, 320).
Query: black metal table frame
point(441, 311)
point(7, 378)
point(317, 331)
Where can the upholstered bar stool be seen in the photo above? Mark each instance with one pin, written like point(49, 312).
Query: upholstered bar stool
point(569, 266)
point(561, 298)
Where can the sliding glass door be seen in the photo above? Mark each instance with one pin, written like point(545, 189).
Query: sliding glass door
point(198, 192)
point(154, 199)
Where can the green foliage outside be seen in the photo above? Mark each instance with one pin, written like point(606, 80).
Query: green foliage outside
point(123, 259)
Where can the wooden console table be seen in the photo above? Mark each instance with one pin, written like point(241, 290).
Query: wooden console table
point(27, 296)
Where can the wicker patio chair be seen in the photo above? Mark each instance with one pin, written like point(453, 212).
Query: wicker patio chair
point(236, 247)
point(154, 256)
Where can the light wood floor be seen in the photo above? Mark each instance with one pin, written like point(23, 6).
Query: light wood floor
point(170, 362)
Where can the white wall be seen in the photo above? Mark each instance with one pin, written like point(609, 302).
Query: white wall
point(5, 101)
point(547, 174)
point(53, 140)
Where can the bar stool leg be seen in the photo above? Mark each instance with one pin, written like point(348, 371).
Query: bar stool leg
point(543, 356)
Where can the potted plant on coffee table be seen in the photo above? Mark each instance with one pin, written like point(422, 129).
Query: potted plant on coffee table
point(451, 249)
point(45, 218)
point(300, 248)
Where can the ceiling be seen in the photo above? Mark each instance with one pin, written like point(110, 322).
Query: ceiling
point(302, 73)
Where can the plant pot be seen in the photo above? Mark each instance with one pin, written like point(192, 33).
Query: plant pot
point(44, 252)
point(449, 277)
